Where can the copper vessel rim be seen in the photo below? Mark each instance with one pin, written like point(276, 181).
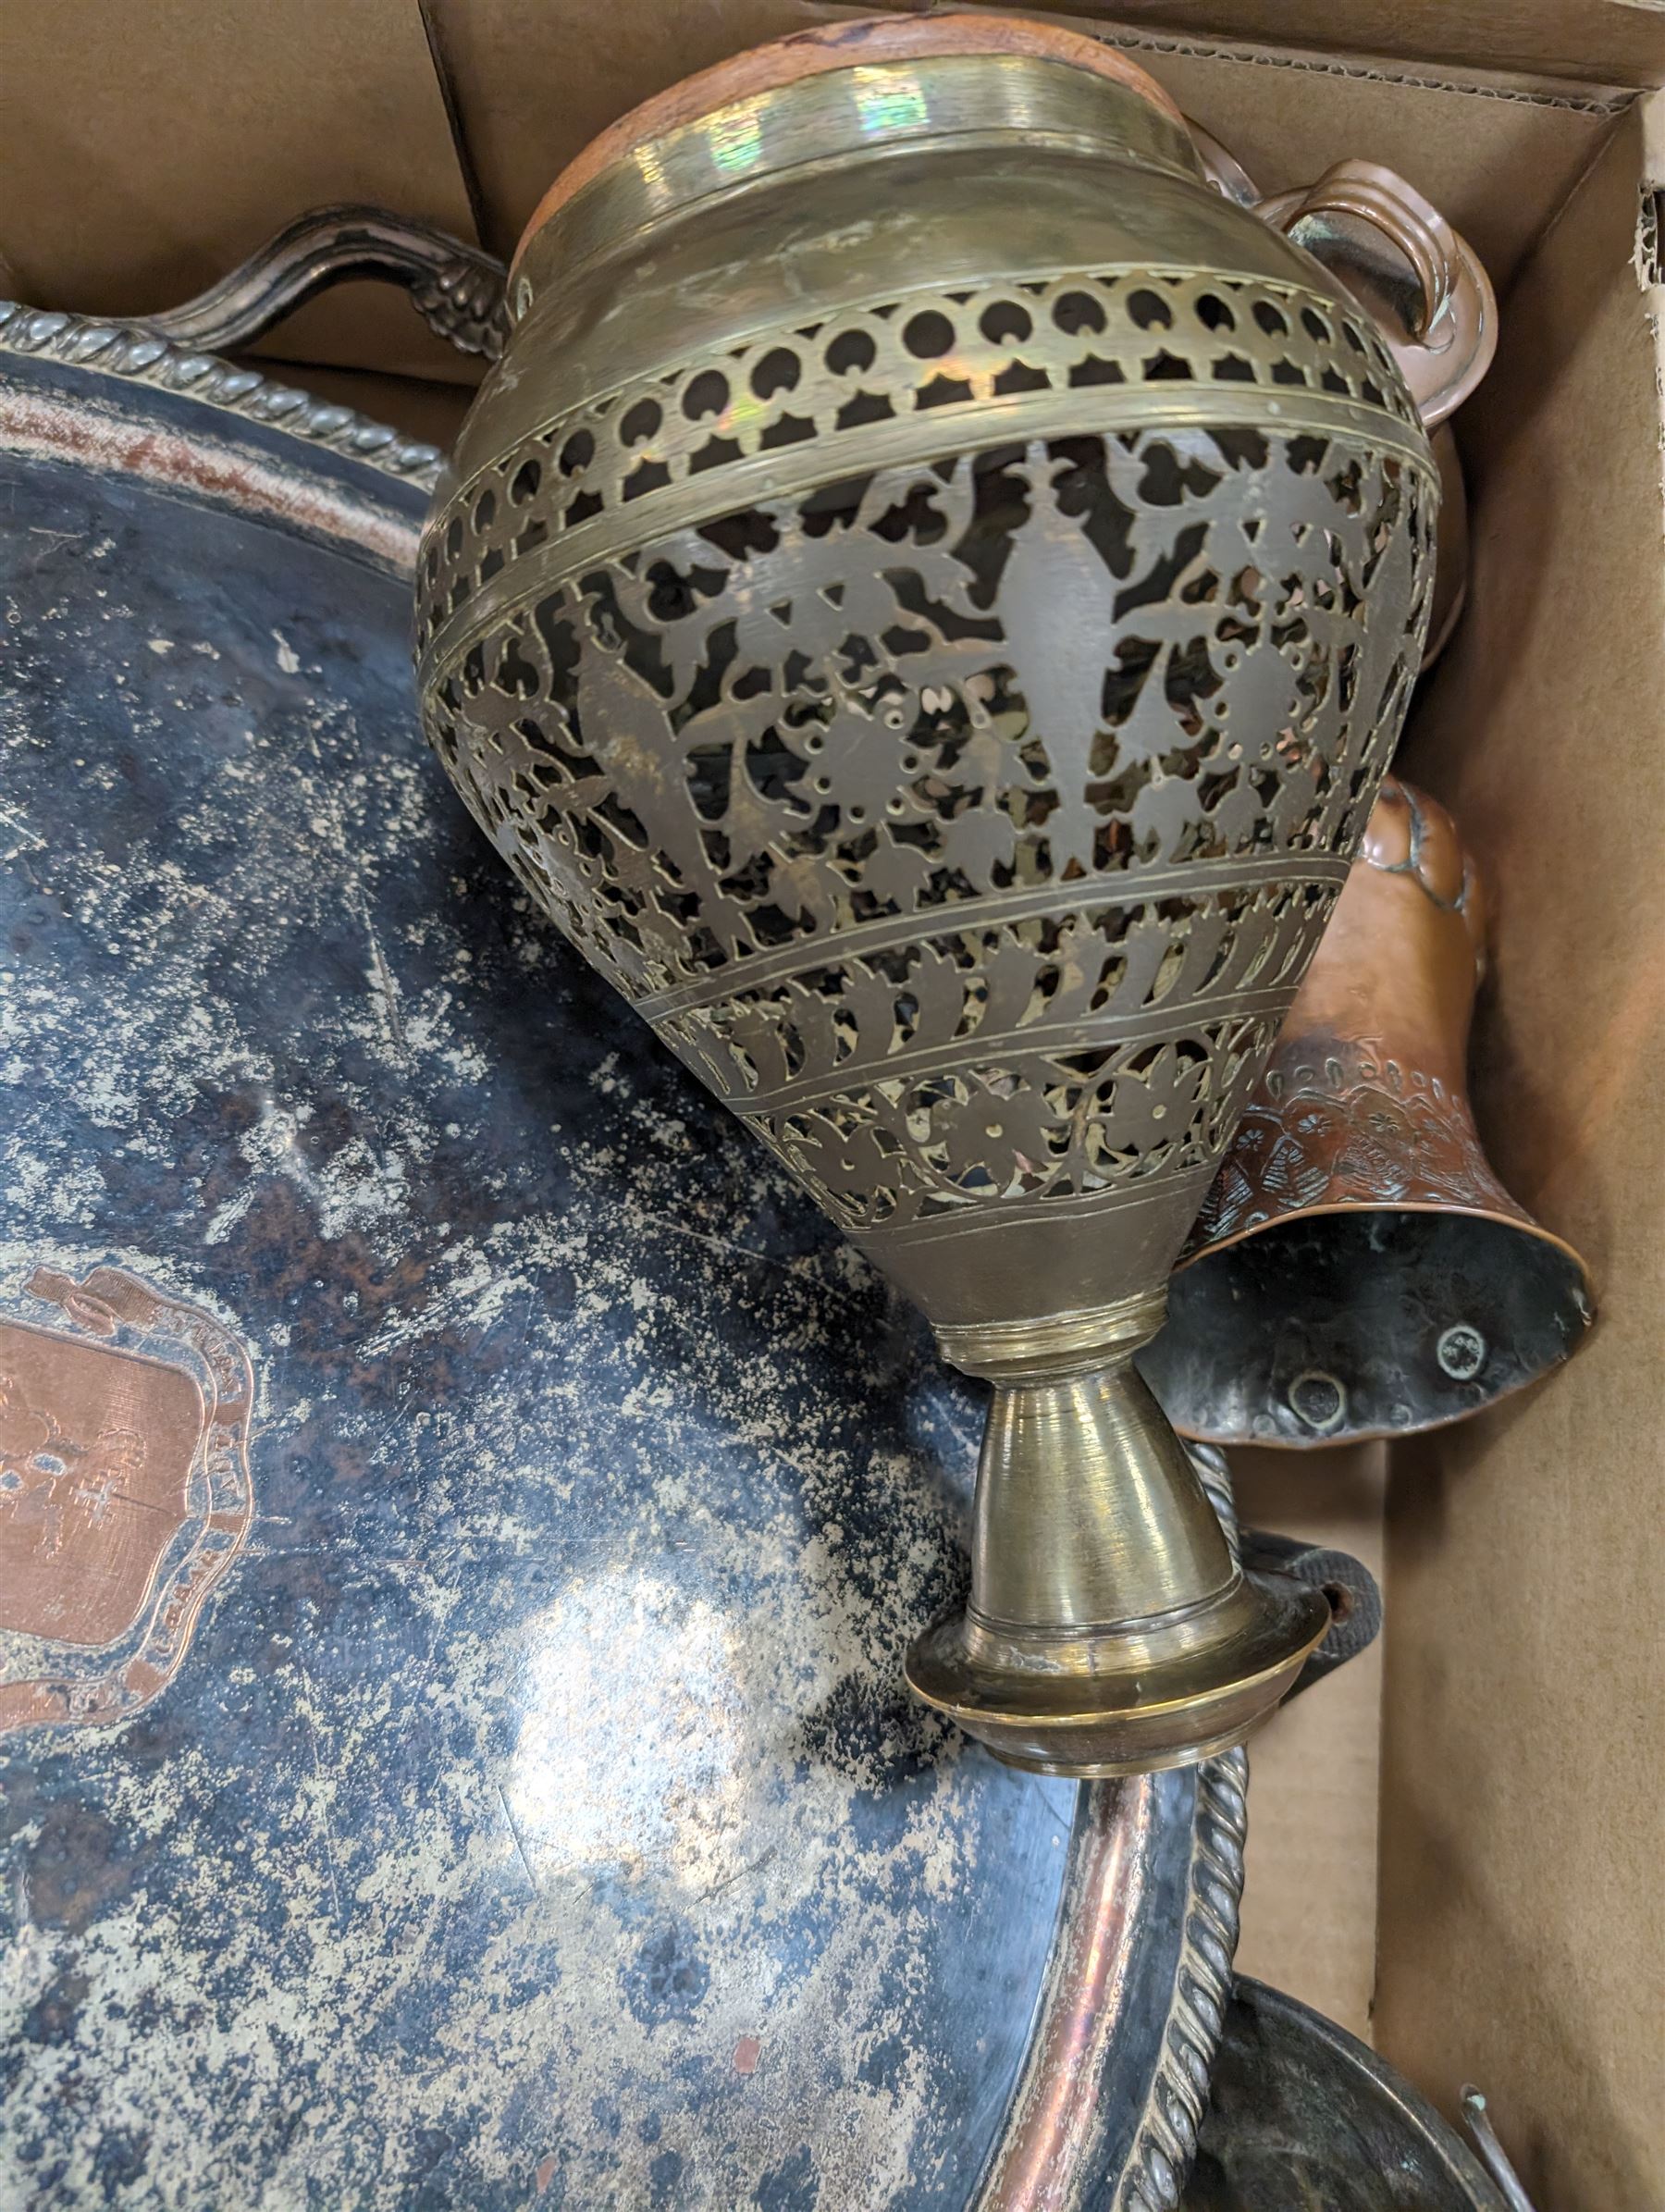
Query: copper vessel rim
point(872, 40)
point(1522, 1221)
point(1342, 1439)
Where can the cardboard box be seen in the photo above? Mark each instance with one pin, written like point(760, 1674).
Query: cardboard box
point(1501, 1921)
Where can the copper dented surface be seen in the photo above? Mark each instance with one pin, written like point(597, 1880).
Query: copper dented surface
point(124, 1492)
point(1357, 1268)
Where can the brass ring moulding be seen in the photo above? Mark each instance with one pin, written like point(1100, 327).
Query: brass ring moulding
point(926, 600)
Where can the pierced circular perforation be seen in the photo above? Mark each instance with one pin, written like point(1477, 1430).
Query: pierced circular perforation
point(930, 353)
point(956, 910)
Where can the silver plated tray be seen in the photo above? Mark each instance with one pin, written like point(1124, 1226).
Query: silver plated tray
point(452, 1583)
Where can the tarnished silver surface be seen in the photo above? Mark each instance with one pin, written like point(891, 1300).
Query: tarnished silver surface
point(135, 351)
point(530, 1812)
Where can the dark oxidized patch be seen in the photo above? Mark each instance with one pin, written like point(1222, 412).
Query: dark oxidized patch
point(124, 1492)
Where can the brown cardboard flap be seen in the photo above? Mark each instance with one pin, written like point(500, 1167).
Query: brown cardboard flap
point(1522, 1909)
point(1594, 42)
point(148, 149)
point(1498, 164)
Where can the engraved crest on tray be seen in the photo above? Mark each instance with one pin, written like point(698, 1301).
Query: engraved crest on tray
point(125, 1492)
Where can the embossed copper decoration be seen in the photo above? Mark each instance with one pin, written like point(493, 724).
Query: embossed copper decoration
point(124, 1492)
point(925, 601)
point(1357, 1268)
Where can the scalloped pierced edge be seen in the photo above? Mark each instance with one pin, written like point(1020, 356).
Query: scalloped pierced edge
point(136, 354)
point(1153, 2179)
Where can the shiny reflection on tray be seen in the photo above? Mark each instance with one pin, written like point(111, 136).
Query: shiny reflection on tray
point(634, 1749)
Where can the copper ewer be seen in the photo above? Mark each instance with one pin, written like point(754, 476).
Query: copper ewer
point(926, 600)
point(1358, 1270)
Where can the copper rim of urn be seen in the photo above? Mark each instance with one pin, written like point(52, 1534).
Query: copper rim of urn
point(1358, 1270)
point(915, 364)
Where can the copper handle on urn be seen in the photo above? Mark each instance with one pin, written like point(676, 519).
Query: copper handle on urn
point(1451, 333)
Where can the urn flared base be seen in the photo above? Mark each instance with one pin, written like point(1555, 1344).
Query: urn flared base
point(1109, 1628)
point(1130, 1699)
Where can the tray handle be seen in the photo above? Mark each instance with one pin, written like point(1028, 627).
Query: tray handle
point(456, 289)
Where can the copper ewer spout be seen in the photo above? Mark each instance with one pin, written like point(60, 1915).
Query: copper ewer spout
point(1358, 1270)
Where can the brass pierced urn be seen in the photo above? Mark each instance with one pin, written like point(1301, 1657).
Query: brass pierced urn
point(926, 600)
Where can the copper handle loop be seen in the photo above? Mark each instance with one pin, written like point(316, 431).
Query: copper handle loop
point(1378, 196)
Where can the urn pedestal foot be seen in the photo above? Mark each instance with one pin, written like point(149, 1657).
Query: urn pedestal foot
point(1109, 1630)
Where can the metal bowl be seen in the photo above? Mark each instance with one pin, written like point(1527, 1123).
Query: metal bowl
point(1304, 2118)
